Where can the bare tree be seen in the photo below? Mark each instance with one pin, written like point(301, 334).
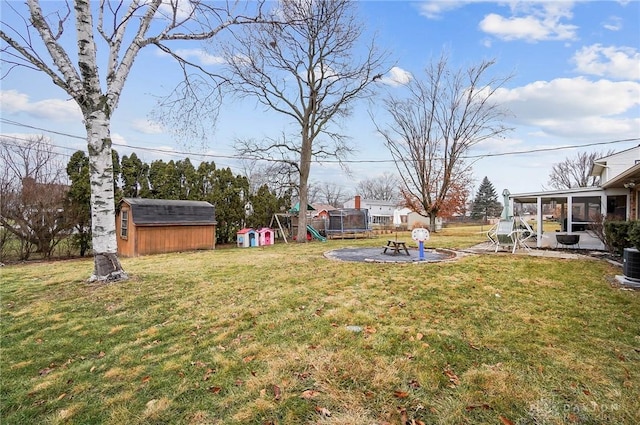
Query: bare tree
point(330, 194)
point(32, 194)
point(310, 69)
point(122, 31)
point(385, 187)
point(431, 129)
point(575, 171)
point(280, 177)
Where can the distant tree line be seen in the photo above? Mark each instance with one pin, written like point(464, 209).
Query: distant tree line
point(40, 206)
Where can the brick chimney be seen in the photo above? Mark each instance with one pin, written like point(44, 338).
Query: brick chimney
point(357, 202)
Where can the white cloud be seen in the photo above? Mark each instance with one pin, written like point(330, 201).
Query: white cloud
point(614, 23)
point(532, 22)
point(435, 9)
point(396, 77)
point(118, 139)
point(147, 126)
point(575, 108)
point(14, 102)
point(182, 9)
point(200, 55)
point(615, 62)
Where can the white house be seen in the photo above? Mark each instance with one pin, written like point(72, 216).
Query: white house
point(615, 197)
point(380, 212)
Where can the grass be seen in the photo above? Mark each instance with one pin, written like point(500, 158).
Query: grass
point(260, 336)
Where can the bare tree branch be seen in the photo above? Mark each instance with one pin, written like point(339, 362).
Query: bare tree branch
point(575, 171)
point(434, 125)
point(304, 65)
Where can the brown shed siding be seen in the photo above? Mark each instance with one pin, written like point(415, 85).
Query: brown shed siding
point(155, 238)
point(159, 239)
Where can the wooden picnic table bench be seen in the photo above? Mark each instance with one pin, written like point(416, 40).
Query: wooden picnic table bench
point(395, 247)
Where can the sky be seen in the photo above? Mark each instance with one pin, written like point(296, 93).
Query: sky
point(574, 87)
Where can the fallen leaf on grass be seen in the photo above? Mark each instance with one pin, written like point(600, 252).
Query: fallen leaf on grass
point(505, 421)
point(419, 336)
point(400, 394)
point(146, 379)
point(208, 374)
point(414, 384)
point(215, 390)
point(483, 406)
point(403, 415)
point(323, 411)
point(45, 371)
point(309, 394)
point(248, 359)
point(453, 378)
point(369, 330)
point(100, 355)
point(276, 392)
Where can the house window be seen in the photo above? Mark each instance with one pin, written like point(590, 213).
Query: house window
point(124, 224)
point(617, 207)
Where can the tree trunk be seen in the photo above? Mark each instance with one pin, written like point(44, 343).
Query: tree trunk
point(305, 169)
point(432, 222)
point(107, 267)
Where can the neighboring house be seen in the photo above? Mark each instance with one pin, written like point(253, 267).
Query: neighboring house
point(615, 197)
point(152, 226)
point(322, 210)
point(380, 212)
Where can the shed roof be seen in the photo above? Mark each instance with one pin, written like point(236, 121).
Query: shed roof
point(168, 211)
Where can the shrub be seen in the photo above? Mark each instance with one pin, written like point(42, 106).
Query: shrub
point(617, 235)
point(634, 234)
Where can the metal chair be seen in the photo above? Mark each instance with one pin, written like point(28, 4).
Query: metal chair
point(511, 233)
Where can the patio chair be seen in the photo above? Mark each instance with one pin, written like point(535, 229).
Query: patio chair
point(523, 233)
point(507, 233)
point(502, 234)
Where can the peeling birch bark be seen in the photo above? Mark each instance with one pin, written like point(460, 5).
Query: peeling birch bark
point(105, 247)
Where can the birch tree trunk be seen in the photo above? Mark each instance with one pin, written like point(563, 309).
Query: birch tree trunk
point(105, 247)
point(123, 32)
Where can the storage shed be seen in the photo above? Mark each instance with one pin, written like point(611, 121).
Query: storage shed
point(153, 226)
point(247, 238)
point(265, 236)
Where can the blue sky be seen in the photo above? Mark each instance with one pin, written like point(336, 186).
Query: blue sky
point(576, 82)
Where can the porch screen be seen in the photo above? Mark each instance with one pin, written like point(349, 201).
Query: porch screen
point(585, 210)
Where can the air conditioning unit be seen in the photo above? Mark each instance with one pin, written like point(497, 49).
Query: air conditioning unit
point(631, 264)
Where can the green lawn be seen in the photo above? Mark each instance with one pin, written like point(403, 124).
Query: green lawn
point(261, 336)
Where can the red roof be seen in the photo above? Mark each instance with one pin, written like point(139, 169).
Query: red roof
point(245, 230)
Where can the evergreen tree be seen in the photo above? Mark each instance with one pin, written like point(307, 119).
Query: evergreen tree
point(188, 179)
point(164, 179)
point(228, 196)
point(78, 203)
point(135, 177)
point(486, 203)
point(265, 204)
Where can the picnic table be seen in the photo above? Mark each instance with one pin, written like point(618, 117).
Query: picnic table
point(395, 247)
